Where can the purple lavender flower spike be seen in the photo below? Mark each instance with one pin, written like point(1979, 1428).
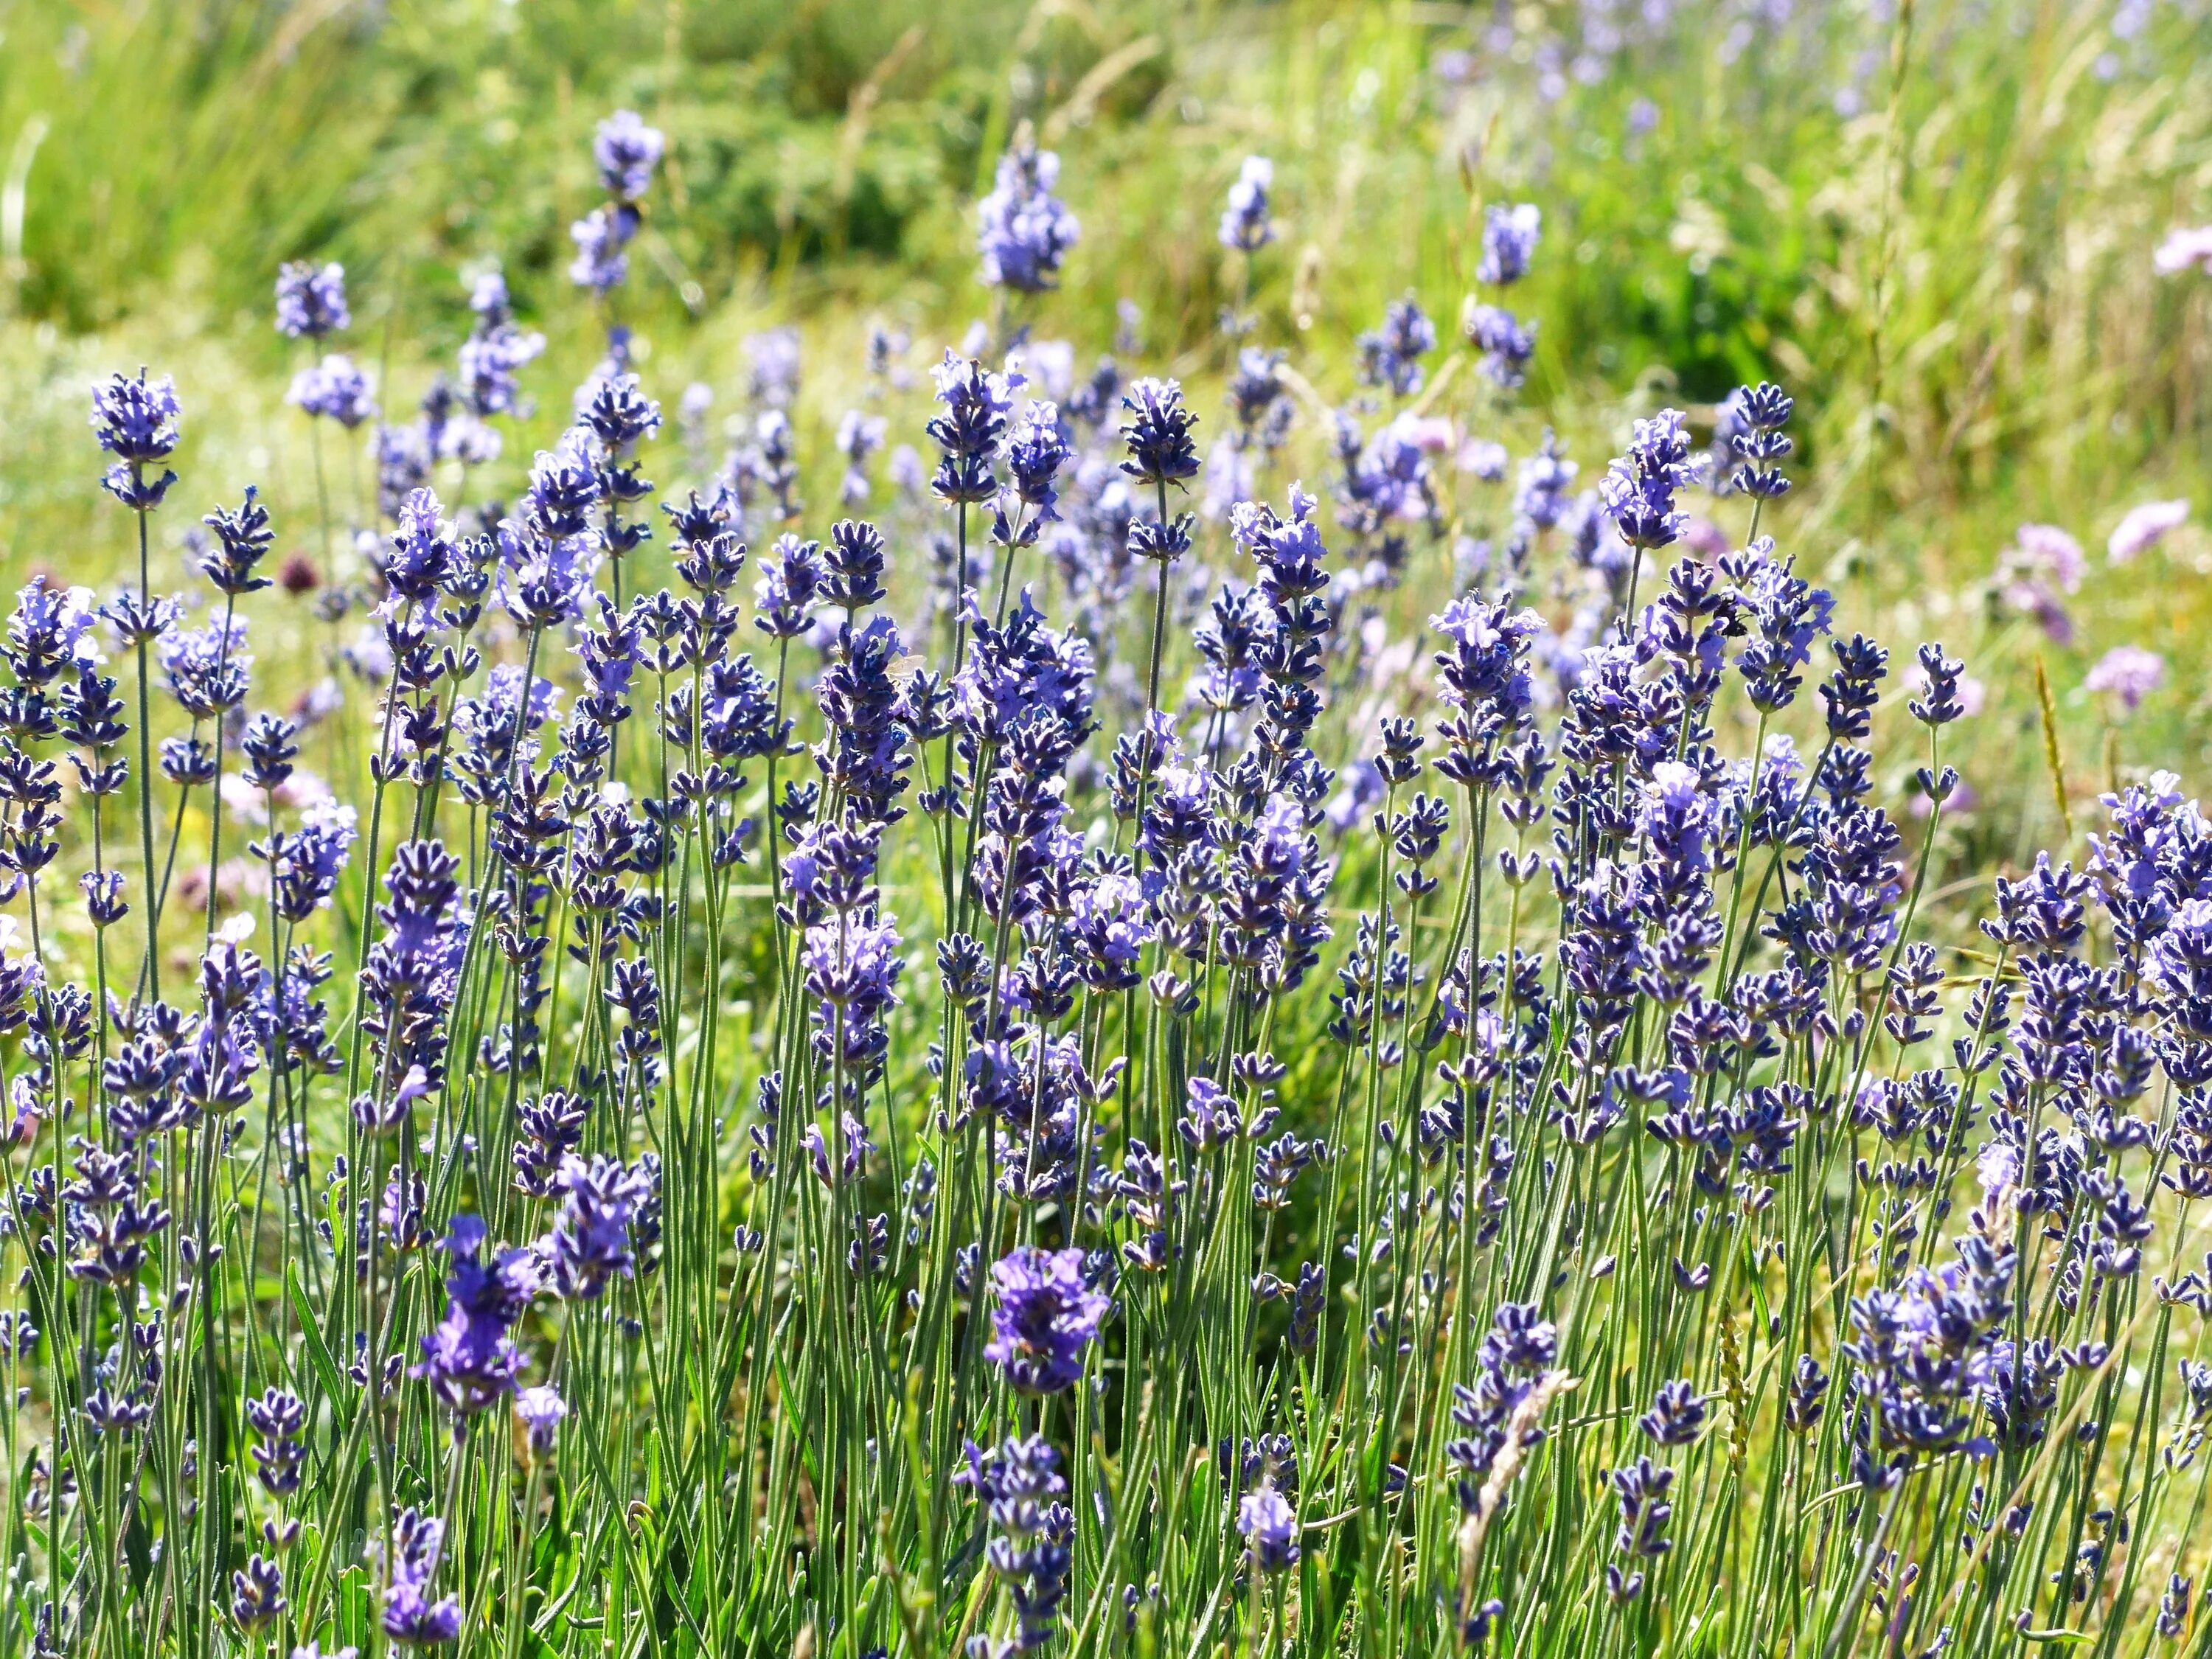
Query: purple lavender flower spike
point(411, 1616)
point(311, 301)
point(1246, 226)
point(593, 1238)
point(470, 1359)
point(1509, 241)
point(1047, 1314)
point(1270, 1528)
point(1390, 356)
point(335, 390)
point(540, 1411)
point(1022, 230)
point(137, 421)
point(627, 151)
point(1640, 486)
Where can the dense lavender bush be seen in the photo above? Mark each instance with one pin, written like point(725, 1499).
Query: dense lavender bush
point(871, 1119)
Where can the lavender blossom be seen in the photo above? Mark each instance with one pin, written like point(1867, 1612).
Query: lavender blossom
point(1390, 356)
point(1018, 1483)
point(334, 389)
point(1640, 486)
point(593, 1237)
point(1509, 241)
point(1246, 226)
point(1157, 433)
point(411, 1617)
point(602, 239)
point(1270, 1528)
point(2128, 673)
point(1022, 230)
point(311, 301)
point(1506, 345)
point(972, 429)
point(137, 421)
point(627, 152)
point(540, 1411)
point(469, 1357)
point(1047, 1314)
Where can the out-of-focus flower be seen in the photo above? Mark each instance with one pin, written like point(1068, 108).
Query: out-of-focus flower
point(1704, 537)
point(2043, 564)
point(627, 151)
point(1505, 343)
point(1245, 225)
point(540, 1411)
point(1545, 485)
point(2130, 673)
point(1963, 797)
point(602, 238)
point(1390, 356)
point(335, 390)
point(2050, 552)
point(310, 299)
point(2143, 528)
point(773, 362)
point(1022, 230)
point(1270, 1527)
point(1509, 240)
point(1482, 458)
point(2185, 247)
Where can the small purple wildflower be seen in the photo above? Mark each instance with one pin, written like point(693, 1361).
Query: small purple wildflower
point(2130, 673)
point(2143, 528)
point(469, 1357)
point(334, 389)
point(1270, 1527)
point(540, 1411)
point(137, 422)
point(593, 1238)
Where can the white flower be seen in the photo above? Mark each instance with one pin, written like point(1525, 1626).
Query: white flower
point(2184, 247)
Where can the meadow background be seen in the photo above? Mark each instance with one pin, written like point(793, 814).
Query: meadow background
point(1936, 225)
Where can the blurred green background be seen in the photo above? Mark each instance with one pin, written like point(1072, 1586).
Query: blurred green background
point(1934, 222)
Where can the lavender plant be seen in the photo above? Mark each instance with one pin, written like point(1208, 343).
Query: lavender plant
point(958, 1137)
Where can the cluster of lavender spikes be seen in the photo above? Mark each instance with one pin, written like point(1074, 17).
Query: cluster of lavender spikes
point(955, 1138)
